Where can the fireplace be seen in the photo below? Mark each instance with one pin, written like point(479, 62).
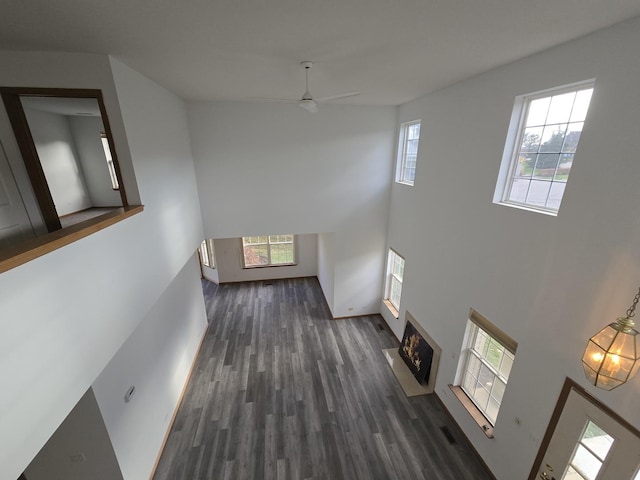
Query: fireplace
point(416, 353)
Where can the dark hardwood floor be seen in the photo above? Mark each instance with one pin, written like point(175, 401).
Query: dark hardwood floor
point(281, 391)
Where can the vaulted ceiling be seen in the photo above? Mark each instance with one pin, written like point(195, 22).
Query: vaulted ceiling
point(391, 51)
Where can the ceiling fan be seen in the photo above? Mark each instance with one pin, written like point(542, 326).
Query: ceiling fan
point(307, 101)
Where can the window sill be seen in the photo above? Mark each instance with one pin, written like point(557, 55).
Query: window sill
point(391, 308)
point(528, 208)
point(39, 246)
point(405, 183)
point(270, 266)
point(475, 413)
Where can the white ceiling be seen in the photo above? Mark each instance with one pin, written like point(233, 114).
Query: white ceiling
point(391, 51)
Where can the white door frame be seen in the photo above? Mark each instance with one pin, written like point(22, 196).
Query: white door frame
point(568, 387)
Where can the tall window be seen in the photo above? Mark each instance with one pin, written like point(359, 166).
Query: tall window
point(395, 272)
point(110, 166)
point(487, 357)
point(541, 147)
point(266, 250)
point(408, 152)
point(206, 253)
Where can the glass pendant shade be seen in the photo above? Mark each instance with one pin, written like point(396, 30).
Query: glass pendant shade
point(612, 355)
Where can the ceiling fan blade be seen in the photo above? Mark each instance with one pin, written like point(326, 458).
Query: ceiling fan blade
point(337, 97)
point(268, 99)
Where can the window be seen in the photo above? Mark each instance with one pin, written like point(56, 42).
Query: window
point(110, 166)
point(206, 253)
point(408, 152)
point(486, 360)
point(590, 453)
point(541, 145)
point(395, 272)
point(268, 250)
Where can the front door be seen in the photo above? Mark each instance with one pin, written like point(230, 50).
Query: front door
point(588, 442)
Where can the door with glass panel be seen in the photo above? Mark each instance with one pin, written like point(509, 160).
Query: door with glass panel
point(589, 442)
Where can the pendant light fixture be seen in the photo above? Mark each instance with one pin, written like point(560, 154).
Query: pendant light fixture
point(612, 356)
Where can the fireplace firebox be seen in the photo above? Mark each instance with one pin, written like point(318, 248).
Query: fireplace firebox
point(416, 353)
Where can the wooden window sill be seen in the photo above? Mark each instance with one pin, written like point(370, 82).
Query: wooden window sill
point(391, 308)
point(249, 267)
point(475, 413)
point(39, 246)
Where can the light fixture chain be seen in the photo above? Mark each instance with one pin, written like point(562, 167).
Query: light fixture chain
point(632, 309)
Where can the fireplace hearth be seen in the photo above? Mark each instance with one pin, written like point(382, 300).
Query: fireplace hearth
point(415, 362)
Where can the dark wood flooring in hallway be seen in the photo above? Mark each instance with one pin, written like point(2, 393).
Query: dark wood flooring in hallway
point(281, 391)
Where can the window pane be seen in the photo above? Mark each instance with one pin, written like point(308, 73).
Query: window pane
point(562, 173)
point(538, 111)
point(546, 165)
point(560, 108)
point(531, 139)
point(482, 343)
point(396, 292)
point(256, 255)
point(525, 165)
point(553, 138)
point(281, 253)
point(497, 391)
point(492, 410)
point(597, 440)
point(494, 354)
point(538, 193)
point(586, 463)
point(519, 190)
point(507, 363)
point(572, 137)
point(468, 384)
point(555, 195)
point(581, 105)
point(473, 366)
point(572, 475)
point(481, 396)
point(486, 377)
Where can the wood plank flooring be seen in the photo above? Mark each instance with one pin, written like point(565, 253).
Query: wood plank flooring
point(281, 391)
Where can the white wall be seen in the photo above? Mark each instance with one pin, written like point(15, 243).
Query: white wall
point(86, 134)
point(548, 282)
point(82, 433)
point(156, 360)
point(230, 269)
point(59, 159)
point(210, 274)
point(326, 263)
point(63, 316)
point(276, 168)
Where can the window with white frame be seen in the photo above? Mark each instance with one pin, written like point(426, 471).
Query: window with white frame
point(109, 158)
point(395, 272)
point(206, 253)
point(408, 152)
point(268, 250)
point(541, 145)
point(485, 364)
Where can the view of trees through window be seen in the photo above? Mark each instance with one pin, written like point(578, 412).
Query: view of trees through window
point(266, 250)
point(547, 144)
